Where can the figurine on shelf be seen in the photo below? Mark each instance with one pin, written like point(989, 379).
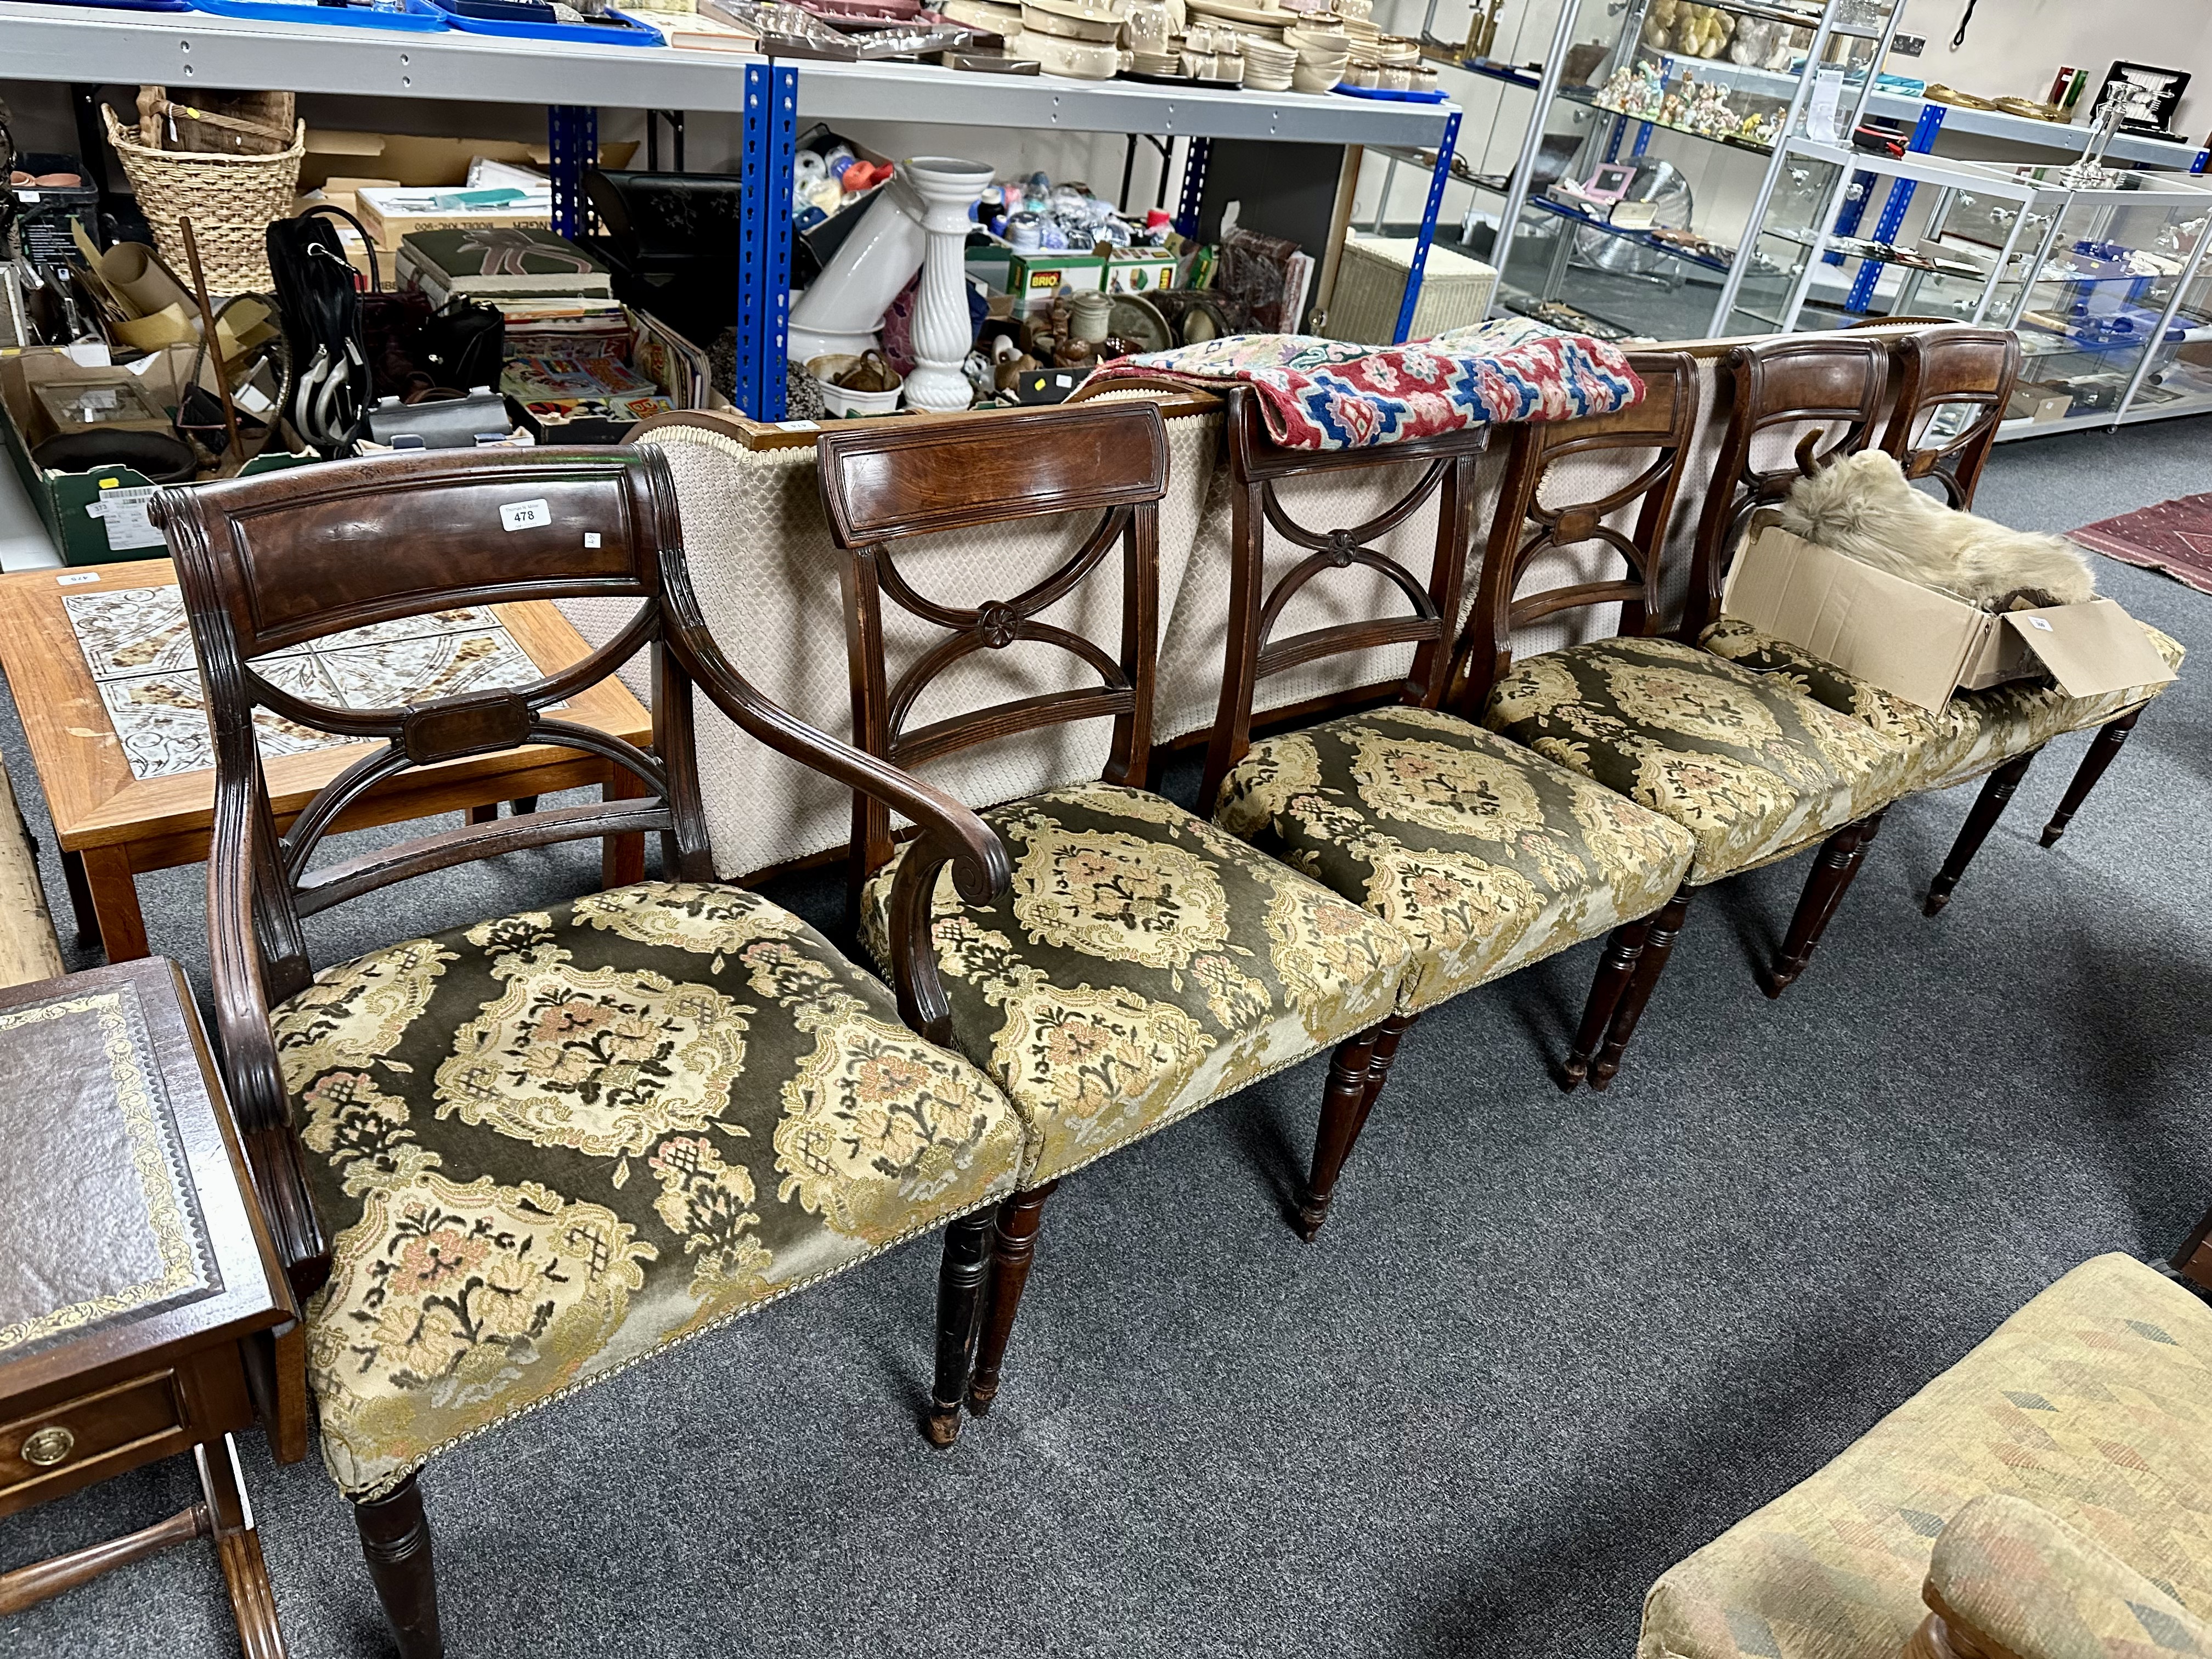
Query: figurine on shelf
point(1634, 90)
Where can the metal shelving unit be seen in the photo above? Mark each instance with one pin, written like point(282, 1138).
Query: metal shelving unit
point(73, 43)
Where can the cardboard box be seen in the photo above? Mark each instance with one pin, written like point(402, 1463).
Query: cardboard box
point(1922, 644)
point(97, 516)
point(1034, 278)
point(390, 216)
point(342, 164)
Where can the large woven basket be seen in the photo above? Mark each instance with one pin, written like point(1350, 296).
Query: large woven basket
point(230, 199)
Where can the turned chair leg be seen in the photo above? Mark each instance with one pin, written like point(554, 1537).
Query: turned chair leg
point(959, 1304)
point(1341, 1114)
point(1666, 927)
point(1615, 970)
point(2193, 1261)
point(1834, 867)
point(395, 1540)
point(2102, 748)
point(1988, 807)
point(1013, 1247)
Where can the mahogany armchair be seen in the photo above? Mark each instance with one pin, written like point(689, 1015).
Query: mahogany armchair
point(1484, 855)
point(1144, 964)
point(1752, 770)
point(508, 1160)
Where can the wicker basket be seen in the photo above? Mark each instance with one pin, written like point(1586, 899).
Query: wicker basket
point(1371, 285)
point(231, 200)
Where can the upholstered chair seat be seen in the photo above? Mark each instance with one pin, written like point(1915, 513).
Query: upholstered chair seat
point(1973, 733)
point(547, 1146)
point(1485, 855)
point(1143, 964)
point(1750, 767)
point(2092, 1404)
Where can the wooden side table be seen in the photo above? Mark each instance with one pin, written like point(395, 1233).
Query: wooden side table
point(141, 1306)
point(111, 824)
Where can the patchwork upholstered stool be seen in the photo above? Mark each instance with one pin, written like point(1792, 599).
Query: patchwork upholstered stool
point(2044, 1498)
point(507, 1161)
point(1143, 964)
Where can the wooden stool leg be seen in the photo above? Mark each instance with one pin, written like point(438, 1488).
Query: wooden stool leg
point(238, 1547)
point(1013, 1247)
point(2193, 1261)
point(1615, 970)
point(959, 1302)
point(1658, 946)
point(622, 858)
point(28, 1586)
point(522, 806)
point(2103, 748)
point(1989, 806)
point(1833, 868)
point(1340, 1117)
point(487, 813)
point(114, 893)
point(395, 1541)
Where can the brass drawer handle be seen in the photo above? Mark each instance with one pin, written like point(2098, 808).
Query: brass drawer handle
point(44, 1448)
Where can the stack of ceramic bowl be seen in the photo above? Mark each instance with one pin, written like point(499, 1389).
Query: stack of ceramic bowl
point(984, 15)
point(1322, 50)
point(1268, 64)
point(1074, 38)
point(1155, 63)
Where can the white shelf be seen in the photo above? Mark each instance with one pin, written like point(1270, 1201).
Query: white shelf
point(188, 49)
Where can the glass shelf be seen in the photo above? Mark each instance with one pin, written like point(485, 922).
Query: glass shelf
point(1588, 100)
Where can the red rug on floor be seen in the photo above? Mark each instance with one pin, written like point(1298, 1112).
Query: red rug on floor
point(2175, 537)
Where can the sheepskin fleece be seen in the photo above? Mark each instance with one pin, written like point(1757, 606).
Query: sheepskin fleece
point(1862, 505)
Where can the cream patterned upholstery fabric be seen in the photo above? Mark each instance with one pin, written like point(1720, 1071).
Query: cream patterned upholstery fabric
point(1750, 767)
point(1975, 733)
point(765, 568)
point(1485, 856)
point(2017, 1575)
point(550, 1145)
point(1142, 965)
point(2093, 1402)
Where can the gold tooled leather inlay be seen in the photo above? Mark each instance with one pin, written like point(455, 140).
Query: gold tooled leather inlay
point(159, 1174)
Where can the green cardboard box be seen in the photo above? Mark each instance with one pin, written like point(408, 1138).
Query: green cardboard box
point(97, 516)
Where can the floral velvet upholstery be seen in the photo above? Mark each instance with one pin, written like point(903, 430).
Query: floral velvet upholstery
point(549, 1145)
point(2017, 1576)
point(1483, 856)
point(1974, 733)
point(1143, 964)
point(2093, 1402)
point(1750, 767)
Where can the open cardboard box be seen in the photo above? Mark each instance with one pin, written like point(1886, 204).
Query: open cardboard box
point(1922, 644)
point(341, 164)
point(99, 516)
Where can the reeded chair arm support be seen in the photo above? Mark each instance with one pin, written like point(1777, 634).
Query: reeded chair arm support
point(947, 832)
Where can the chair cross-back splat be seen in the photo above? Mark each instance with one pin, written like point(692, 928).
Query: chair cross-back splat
point(1969, 369)
point(268, 563)
point(1432, 601)
point(1778, 384)
point(880, 490)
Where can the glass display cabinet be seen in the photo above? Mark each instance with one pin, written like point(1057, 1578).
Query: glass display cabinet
point(1658, 157)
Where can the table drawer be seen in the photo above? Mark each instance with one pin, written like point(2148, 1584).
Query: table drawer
point(70, 1438)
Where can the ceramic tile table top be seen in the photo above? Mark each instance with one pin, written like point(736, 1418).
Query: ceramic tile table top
point(138, 1283)
point(104, 678)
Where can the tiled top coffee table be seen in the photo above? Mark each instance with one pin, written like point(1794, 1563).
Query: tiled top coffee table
point(104, 680)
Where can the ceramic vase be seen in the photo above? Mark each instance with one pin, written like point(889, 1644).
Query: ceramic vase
point(949, 188)
point(845, 308)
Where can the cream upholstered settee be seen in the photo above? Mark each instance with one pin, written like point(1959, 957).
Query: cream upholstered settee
point(2049, 1497)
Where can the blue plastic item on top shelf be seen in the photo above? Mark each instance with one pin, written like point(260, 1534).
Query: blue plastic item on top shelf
point(408, 16)
point(1436, 97)
point(536, 20)
point(130, 5)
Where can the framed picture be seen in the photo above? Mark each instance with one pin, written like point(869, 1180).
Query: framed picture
point(1611, 181)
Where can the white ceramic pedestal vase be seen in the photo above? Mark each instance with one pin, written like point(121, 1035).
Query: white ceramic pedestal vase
point(942, 335)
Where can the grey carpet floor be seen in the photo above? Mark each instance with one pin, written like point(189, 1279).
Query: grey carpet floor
point(1546, 1346)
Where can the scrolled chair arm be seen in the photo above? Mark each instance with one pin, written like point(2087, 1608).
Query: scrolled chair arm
point(2008, 1580)
point(948, 833)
